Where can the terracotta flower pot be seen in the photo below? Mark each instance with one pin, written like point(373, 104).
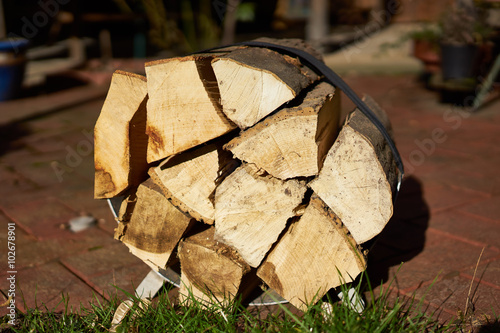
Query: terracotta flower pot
point(427, 52)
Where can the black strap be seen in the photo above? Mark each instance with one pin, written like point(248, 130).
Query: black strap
point(322, 69)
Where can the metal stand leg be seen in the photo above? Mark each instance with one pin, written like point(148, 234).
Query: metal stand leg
point(487, 84)
point(150, 285)
point(146, 290)
point(354, 301)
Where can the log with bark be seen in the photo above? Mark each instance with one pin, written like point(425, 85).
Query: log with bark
point(359, 176)
point(245, 177)
point(189, 180)
point(211, 271)
point(293, 142)
point(314, 255)
point(253, 82)
point(154, 227)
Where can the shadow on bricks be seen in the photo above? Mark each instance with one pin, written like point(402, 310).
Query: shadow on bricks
point(9, 135)
point(490, 327)
point(404, 235)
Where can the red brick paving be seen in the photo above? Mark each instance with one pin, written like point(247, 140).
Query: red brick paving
point(447, 212)
point(45, 285)
point(470, 228)
point(452, 291)
point(488, 273)
point(487, 209)
point(124, 273)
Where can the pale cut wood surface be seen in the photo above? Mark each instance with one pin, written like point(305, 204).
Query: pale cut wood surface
point(212, 271)
point(294, 141)
point(189, 180)
point(120, 142)
point(183, 107)
point(359, 176)
point(155, 227)
point(251, 210)
point(253, 82)
point(307, 261)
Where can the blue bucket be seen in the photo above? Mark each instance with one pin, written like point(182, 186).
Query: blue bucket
point(12, 66)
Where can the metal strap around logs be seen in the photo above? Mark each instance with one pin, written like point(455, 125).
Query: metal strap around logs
point(334, 79)
point(153, 282)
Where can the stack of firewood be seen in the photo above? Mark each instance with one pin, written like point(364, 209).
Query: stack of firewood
point(233, 163)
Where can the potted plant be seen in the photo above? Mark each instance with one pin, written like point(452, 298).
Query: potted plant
point(426, 47)
point(425, 42)
point(462, 35)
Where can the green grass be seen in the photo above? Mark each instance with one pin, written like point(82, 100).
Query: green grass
point(382, 314)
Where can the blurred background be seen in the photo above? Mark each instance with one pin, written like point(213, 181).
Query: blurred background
point(53, 36)
point(144, 27)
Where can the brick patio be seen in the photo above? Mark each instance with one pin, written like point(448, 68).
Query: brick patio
point(448, 210)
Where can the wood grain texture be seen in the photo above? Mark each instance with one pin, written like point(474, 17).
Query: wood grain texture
point(307, 261)
point(251, 210)
point(253, 82)
point(155, 227)
point(183, 107)
point(359, 176)
point(294, 141)
point(189, 180)
point(120, 142)
point(212, 271)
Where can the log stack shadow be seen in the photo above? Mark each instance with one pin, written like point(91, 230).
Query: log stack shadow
point(404, 235)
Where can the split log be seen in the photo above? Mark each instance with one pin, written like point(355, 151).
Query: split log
point(307, 261)
point(252, 209)
point(155, 227)
point(212, 272)
point(119, 136)
point(294, 141)
point(359, 175)
point(183, 107)
point(189, 180)
point(253, 82)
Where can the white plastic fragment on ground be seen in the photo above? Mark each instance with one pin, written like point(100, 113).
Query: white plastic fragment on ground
point(81, 223)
